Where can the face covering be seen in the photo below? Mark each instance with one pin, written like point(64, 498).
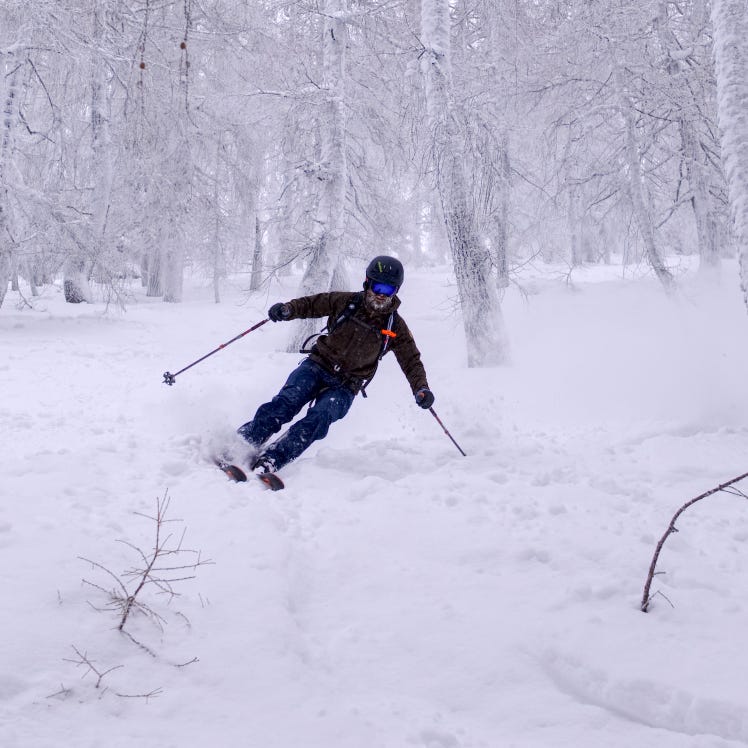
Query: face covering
point(376, 303)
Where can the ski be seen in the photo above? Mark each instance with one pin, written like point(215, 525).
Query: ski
point(271, 481)
point(236, 474)
point(233, 472)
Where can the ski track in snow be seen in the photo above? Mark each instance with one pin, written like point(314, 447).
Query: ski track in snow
point(395, 594)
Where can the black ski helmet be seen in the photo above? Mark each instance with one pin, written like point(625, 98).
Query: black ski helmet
point(383, 269)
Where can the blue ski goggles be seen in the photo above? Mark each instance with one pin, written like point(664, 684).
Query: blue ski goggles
point(383, 289)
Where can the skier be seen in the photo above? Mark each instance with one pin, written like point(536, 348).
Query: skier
point(361, 328)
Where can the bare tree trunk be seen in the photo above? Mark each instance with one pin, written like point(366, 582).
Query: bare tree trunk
point(575, 229)
point(75, 283)
point(470, 259)
point(154, 283)
point(172, 249)
point(730, 24)
point(76, 286)
point(635, 182)
point(219, 262)
point(253, 222)
point(82, 257)
point(694, 161)
point(4, 272)
point(172, 257)
point(332, 178)
point(13, 63)
point(639, 203)
point(219, 253)
point(701, 199)
point(31, 276)
point(501, 242)
point(256, 276)
point(102, 172)
point(174, 254)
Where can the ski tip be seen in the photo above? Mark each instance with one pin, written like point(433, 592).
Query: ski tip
point(232, 471)
point(271, 481)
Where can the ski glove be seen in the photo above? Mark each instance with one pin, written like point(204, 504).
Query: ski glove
point(279, 312)
point(425, 398)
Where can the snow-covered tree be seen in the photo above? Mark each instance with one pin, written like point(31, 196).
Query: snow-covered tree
point(330, 173)
point(304, 134)
point(629, 96)
point(13, 58)
point(448, 133)
point(730, 22)
point(688, 92)
point(97, 172)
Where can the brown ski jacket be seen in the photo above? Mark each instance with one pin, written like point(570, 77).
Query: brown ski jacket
point(353, 348)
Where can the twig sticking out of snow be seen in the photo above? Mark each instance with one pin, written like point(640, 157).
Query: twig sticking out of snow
point(646, 597)
point(84, 661)
point(153, 570)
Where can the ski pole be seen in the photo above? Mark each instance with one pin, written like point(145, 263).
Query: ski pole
point(439, 421)
point(171, 378)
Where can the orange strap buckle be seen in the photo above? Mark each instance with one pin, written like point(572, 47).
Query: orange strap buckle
point(389, 333)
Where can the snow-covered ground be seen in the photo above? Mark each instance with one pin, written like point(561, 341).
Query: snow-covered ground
point(396, 594)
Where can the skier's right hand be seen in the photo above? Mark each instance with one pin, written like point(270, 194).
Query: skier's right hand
point(279, 312)
point(424, 398)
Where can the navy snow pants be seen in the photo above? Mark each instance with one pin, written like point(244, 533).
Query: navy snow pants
point(308, 382)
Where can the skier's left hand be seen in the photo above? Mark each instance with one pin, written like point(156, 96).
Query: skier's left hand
point(425, 398)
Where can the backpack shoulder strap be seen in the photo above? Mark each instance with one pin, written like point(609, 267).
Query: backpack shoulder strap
point(349, 310)
point(388, 333)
